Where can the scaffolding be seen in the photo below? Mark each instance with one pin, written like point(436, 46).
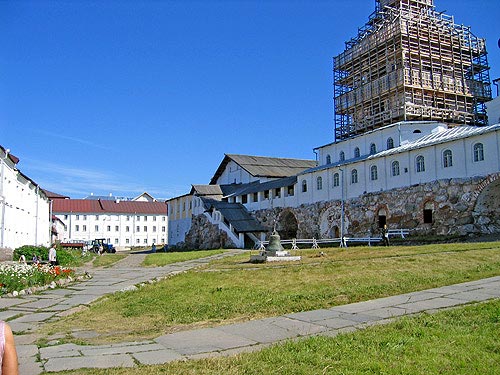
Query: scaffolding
point(410, 62)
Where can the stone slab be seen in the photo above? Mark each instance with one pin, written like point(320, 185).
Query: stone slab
point(29, 366)
point(24, 351)
point(33, 317)
point(202, 341)
point(298, 327)
point(103, 361)
point(431, 304)
point(6, 302)
point(259, 331)
point(42, 303)
point(117, 349)
point(315, 315)
point(157, 357)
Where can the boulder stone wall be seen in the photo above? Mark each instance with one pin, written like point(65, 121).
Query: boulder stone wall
point(450, 205)
point(205, 235)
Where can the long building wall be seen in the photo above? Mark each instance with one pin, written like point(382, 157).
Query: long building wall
point(444, 207)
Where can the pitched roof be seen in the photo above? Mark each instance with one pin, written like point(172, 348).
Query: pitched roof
point(206, 190)
point(52, 195)
point(236, 214)
point(262, 166)
point(89, 206)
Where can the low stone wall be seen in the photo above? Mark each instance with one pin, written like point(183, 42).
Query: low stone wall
point(451, 201)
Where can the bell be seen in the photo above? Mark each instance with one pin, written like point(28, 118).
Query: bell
point(274, 244)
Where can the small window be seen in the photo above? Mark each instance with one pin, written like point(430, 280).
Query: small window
point(96, 228)
point(266, 194)
point(77, 217)
point(328, 159)
point(117, 228)
point(77, 228)
point(138, 218)
point(116, 241)
point(84, 217)
point(373, 173)
point(145, 240)
point(244, 199)
point(478, 152)
point(291, 191)
point(336, 179)
point(84, 228)
point(163, 229)
point(255, 197)
point(146, 218)
point(97, 217)
point(356, 152)
point(354, 176)
point(137, 241)
point(145, 228)
point(373, 149)
point(137, 228)
point(304, 186)
point(447, 159)
point(277, 192)
point(417, 131)
point(319, 183)
point(420, 164)
point(342, 156)
point(154, 228)
point(127, 229)
point(395, 168)
point(390, 143)
point(108, 228)
point(128, 218)
point(127, 241)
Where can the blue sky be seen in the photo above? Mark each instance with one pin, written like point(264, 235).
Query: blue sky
point(124, 97)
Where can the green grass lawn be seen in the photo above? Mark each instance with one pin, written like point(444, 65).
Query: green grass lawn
point(107, 260)
point(458, 341)
point(162, 259)
point(231, 289)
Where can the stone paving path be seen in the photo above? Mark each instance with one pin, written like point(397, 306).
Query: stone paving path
point(32, 311)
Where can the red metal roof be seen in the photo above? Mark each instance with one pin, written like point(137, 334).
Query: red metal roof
point(89, 206)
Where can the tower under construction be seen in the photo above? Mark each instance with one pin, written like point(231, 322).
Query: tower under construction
point(410, 62)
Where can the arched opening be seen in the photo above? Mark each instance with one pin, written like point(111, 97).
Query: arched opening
point(486, 213)
point(428, 212)
point(331, 221)
point(382, 218)
point(287, 225)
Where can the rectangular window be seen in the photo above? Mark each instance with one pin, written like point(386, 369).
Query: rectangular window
point(291, 191)
point(96, 228)
point(116, 241)
point(244, 198)
point(137, 241)
point(277, 193)
point(65, 217)
point(77, 217)
point(117, 228)
point(127, 241)
point(84, 217)
point(163, 229)
point(145, 240)
point(145, 218)
point(108, 228)
point(77, 228)
point(127, 218)
point(255, 197)
point(154, 218)
point(138, 218)
point(145, 228)
point(163, 218)
point(127, 229)
point(97, 217)
point(137, 228)
point(266, 194)
point(84, 228)
point(154, 228)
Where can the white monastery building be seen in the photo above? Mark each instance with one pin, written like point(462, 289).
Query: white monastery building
point(413, 147)
point(24, 207)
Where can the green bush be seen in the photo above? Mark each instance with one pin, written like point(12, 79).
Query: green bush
point(29, 251)
point(65, 257)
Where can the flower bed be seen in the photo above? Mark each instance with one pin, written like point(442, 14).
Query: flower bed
point(16, 277)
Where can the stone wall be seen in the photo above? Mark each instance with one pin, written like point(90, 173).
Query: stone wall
point(452, 203)
point(205, 235)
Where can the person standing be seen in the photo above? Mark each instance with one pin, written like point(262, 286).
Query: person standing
point(8, 355)
point(53, 255)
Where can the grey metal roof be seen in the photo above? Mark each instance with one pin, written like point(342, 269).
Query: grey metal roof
point(203, 190)
point(262, 166)
point(451, 134)
point(236, 214)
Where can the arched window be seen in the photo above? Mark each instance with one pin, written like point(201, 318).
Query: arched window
point(336, 179)
point(420, 164)
point(354, 176)
point(319, 183)
point(304, 186)
point(356, 152)
point(395, 168)
point(373, 173)
point(447, 159)
point(328, 159)
point(342, 156)
point(373, 149)
point(390, 143)
point(417, 131)
point(478, 152)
